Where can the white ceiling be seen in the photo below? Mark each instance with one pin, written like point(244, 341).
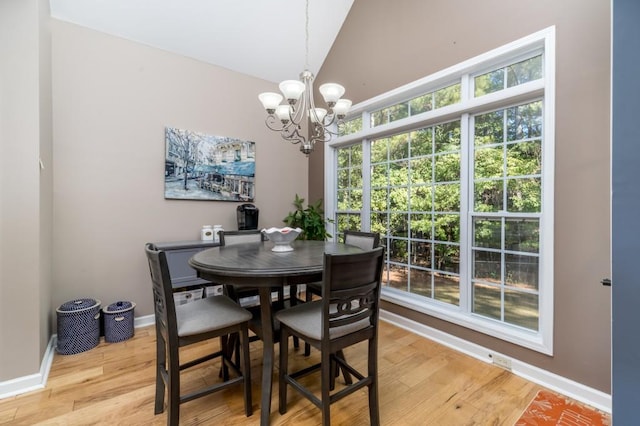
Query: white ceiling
point(261, 38)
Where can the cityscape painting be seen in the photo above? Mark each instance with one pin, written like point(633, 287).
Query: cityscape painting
point(205, 167)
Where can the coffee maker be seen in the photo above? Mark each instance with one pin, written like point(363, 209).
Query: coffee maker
point(247, 216)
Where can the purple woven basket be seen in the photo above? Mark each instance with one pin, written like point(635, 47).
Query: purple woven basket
point(78, 326)
point(118, 321)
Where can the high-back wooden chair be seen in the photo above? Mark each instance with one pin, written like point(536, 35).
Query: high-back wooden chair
point(347, 314)
point(193, 322)
point(364, 240)
point(229, 238)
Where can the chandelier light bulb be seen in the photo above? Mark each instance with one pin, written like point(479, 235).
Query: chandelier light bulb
point(284, 113)
point(317, 115)
point(342, 107)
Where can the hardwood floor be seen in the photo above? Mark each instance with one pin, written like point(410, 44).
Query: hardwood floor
point(421, 383)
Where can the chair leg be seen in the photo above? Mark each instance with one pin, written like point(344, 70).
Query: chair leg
point(246, 371)
point(327, 373)
point(374, 411)
point(173, 410)
point(308, 298)
point(284, 361)
point(161, 365)
point(225, 347)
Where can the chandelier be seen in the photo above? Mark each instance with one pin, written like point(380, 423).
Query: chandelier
point(299, 107)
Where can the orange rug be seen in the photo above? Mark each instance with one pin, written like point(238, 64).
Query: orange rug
point(550, 409)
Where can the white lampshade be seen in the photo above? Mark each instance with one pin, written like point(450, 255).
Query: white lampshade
point(270, 100)
point(342, 107)
point(284, 113)
point(292, 89)
point(318, 116)
point(331, 92)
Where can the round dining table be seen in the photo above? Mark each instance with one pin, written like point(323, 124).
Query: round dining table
point(257, 265)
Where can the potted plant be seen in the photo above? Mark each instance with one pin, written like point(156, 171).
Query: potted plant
point(310, 219)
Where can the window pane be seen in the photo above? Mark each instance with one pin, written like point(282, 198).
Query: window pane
point(342, 221)
point(524, 158)
point(420, 282)
point(488, 163)
point(524, 121)
point(488, 196)
point(379, 199)
point(487, 233)
point(447, 288)
point(379, 151)
point(355, 177)
point(398, 111)
point(487, 301)
point(447, 96)
point(379, 223)
point(399, 173)
point(421, 104)
point(343, 178)
point(399, 199)
point(490, 82)
point(342, 197)
point(343, 157)
point(447, 227)
point(523, 195)
point(521, 309)
point(447, 257)
point(421, 198)
point(399, 147)
point(421, 142)
point(447, 198)
point(521, 271)
point(447, 167)
point(378, 118)
point(398, 251)
point(447, 137)
point(487, 266)
point(350, 126)
point(379, 175)
point(421, 254)
point(398, 277)
point(398, 224)
point(489, 128)
point(355, 199)
point(421, 170)
point(522, 72)
point(421, 226)
point(522, 235)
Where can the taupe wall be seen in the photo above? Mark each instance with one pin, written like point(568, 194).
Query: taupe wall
point(381, 47)
point(25, 190)
point(112, 100)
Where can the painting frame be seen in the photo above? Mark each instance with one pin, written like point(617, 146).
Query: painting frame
point(206, 167)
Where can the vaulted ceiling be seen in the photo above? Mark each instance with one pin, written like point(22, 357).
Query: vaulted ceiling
point(261, 38)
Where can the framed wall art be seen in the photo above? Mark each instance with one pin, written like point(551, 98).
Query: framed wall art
point(206, 167)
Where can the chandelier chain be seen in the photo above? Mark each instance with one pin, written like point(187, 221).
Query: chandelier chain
point(306, 37)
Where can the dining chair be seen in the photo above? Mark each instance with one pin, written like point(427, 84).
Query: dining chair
point(178, 326)
point(230, 238)
point(364, 240)
point(346, 315)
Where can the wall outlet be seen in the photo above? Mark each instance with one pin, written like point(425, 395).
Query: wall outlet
point(501, 361)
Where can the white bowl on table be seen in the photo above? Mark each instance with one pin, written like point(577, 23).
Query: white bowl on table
point(282, 237)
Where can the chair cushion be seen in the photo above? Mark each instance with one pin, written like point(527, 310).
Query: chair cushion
point(209, 314)
point(307, 320)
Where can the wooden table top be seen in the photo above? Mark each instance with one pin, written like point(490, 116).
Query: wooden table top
point(257, 260)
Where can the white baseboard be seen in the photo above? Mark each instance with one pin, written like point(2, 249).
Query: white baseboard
point(31, 382)
point(567, 387)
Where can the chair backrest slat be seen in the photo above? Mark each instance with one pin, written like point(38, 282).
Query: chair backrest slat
point(164, 305)
point(364, 240)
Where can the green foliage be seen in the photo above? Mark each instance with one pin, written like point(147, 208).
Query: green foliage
point(310, 219)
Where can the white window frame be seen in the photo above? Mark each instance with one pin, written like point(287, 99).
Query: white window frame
point(542, 41)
